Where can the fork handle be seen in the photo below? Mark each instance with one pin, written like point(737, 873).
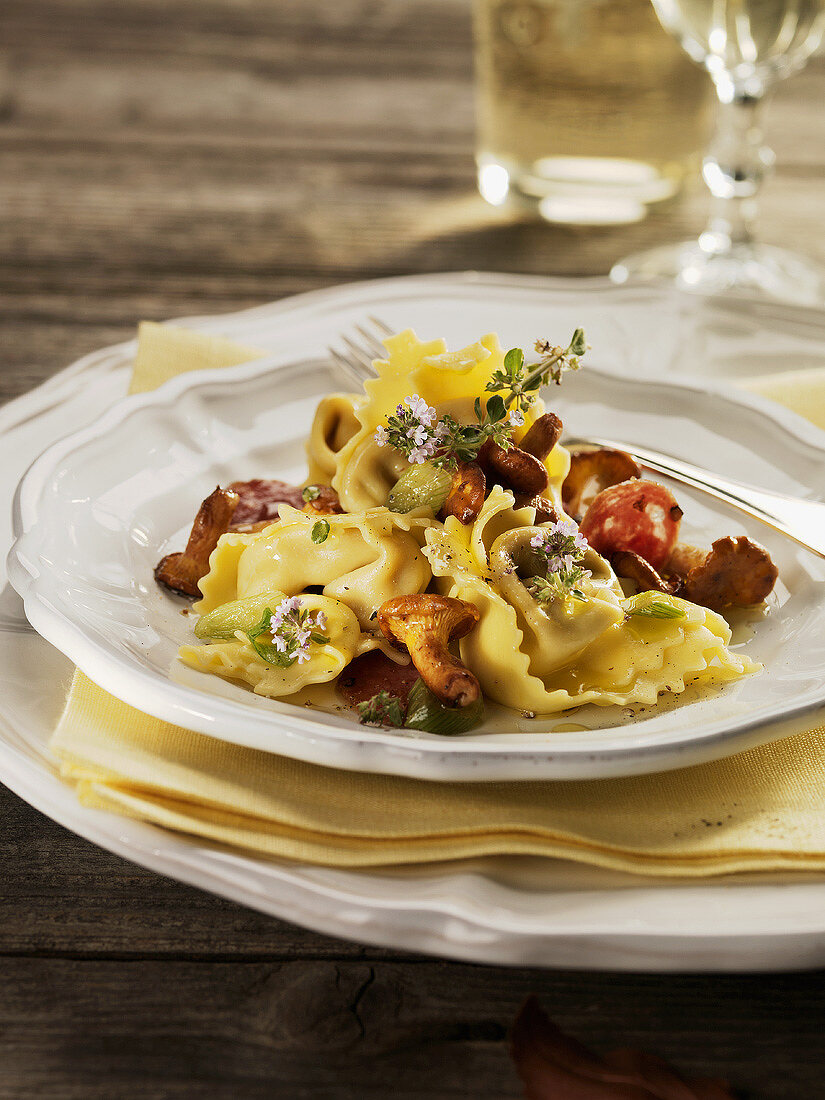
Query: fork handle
point(801, 520)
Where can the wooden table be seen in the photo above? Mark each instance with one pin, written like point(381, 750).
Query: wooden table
point(163, 158)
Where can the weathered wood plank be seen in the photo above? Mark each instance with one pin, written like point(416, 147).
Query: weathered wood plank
point(62, 895)
point(353, 1029)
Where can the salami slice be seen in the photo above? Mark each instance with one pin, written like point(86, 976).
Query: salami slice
point(260, 499)
point(640, 516)
point(373, 672)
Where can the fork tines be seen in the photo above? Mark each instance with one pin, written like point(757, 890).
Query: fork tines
point(357, 358)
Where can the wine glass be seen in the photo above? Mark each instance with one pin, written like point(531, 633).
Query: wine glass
point(746, 46)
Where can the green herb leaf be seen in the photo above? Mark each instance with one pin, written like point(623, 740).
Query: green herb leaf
point(272, 656)
point(311, 492)
point(657, 609)
point(514, 361)
point(495, 408)
point(262, 626)
point(319, 532)
point(578, 345)
point(382, 709)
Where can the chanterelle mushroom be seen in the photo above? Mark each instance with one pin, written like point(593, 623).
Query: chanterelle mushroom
point(465, 498)
point(181, 572)
point(591, 472)
point(542, 436)
point(634, 567)
point(734, 572)
point(426, 624)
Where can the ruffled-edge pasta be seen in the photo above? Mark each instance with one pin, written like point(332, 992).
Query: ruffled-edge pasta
point(531, 657)
point(333, 426)
point(237, 659)
point(365, 559)
point(364, 473)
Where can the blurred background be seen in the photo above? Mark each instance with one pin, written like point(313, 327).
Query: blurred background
point(166, 158)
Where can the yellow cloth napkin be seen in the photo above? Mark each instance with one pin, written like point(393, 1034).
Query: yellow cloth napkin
point(760, 810)
point(802, 391)
point(164, 352)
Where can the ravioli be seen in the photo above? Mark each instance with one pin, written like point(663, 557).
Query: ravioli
point(364, 473)
point(547, 659)
point(238, 660)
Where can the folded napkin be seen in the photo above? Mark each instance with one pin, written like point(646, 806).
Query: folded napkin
point(760, 810)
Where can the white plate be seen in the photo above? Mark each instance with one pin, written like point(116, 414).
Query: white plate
point(525, 912)
point(99, 509)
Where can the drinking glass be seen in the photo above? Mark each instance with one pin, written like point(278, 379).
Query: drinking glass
point(588, 113)
point(746, 46)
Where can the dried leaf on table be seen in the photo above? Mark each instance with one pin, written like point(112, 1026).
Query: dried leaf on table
point(555, 1066)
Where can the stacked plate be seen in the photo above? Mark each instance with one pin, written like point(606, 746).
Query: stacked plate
point(97, 509)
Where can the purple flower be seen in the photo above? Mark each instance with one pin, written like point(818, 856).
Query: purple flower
point(562, 547)
point(292, 628)
point(422, 412)
point(424, 452)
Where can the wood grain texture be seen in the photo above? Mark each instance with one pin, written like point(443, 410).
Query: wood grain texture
point(159, 159)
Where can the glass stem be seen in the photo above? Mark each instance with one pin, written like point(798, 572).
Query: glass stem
point(735, 167)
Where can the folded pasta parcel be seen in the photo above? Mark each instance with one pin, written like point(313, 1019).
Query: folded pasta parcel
point(445, 480)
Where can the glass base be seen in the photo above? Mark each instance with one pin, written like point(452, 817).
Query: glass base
point(596, 191)
point(752, 269)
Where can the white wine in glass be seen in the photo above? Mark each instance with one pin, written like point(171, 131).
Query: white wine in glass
point(746, 46)
point(587, 112)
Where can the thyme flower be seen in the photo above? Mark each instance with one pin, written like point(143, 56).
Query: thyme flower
point(562, 547)
point(292, 629)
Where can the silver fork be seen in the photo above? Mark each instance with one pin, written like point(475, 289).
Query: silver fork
point(355, 362)
point(801, 520)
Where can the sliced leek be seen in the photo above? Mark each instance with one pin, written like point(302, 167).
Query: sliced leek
point(425, 712)
point(420, 486)
point(224, 621)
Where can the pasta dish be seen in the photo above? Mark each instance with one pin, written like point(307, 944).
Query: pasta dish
point(446, 548)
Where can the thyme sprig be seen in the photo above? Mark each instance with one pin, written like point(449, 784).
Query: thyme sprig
point(420, 436)
point(382, 709)
point(520, 380)
point(562, 549)
point(557, 586)
point(292, 628)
